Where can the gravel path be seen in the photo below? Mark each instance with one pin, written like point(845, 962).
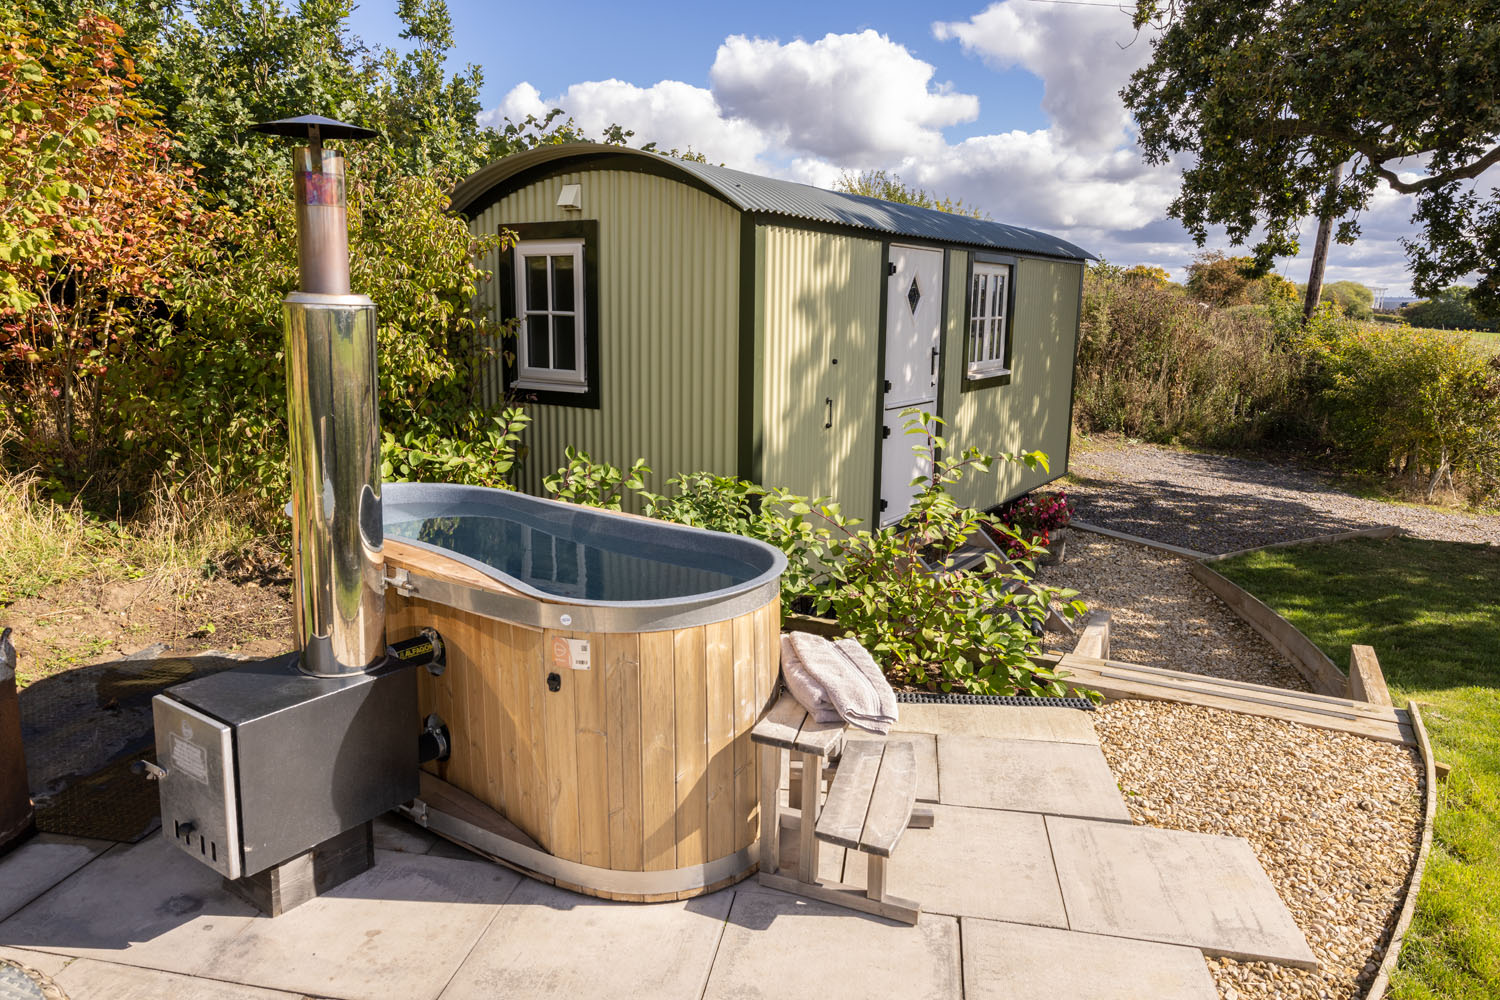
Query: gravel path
point(1161, 616)
point(1215, 504)
point(1333, 818)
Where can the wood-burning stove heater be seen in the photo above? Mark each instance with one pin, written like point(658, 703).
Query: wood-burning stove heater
point(270, 773)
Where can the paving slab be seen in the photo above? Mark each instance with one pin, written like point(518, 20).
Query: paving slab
point(1001, 722)
point(45, 963)
point(547, 944)
point(399, 930)
point(394, 832)
point(1180, 888)
point(1019, 962)
point(87, 979)
point(974, 863)
point(1059, 779)
point(39, 864)
point(779, 946)
point(927, 759)
point(148, 904)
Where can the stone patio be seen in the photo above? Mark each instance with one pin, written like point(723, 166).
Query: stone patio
point(1032, 880)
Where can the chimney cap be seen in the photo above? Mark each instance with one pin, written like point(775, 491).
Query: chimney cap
point(302, 128)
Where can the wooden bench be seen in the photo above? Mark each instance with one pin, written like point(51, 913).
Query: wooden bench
point(871, 801)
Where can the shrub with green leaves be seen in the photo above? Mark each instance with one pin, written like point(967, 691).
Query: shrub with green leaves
point(971, 631)
point(597, 484)
point(1421, 404)
point(209, 393)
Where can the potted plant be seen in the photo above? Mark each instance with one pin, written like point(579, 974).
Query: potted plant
point(1044, 518)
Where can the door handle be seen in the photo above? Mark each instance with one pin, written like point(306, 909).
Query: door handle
point(829, 422)
point(934, 363)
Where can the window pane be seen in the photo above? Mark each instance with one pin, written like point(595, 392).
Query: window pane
point(997, 341)
point(562, 283)
point(538, 336)
point(536, 282)
point(980, 285)
point(567, 563)
point(565, 349)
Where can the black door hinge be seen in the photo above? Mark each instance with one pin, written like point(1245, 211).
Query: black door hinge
point(885, 432)
point(892, 272)
point(887, 385)
point(884, 504)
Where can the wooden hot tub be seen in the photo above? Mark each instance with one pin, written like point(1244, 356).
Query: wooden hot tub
point(623, 769)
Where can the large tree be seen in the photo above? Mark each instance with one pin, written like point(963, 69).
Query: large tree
point(1303, 108)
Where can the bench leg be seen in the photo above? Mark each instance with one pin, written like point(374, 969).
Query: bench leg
point(807, 841)
point(875, 877)
point(770, 809)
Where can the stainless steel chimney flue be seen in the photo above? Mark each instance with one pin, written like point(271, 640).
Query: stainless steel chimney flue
point(333, 420)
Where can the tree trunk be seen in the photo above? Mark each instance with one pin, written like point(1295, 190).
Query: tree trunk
point(1320, 250)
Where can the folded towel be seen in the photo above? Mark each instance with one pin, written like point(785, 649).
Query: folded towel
point(885, 697)
point(837, 681)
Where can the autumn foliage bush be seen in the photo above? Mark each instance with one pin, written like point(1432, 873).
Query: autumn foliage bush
point(96, 221)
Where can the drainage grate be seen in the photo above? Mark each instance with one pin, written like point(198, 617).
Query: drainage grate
point(1026, 701)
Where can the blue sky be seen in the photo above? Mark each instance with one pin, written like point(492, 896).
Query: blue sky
point(1011, 106)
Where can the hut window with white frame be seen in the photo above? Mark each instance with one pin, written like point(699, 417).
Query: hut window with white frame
point(989, 318)
point(550, 304)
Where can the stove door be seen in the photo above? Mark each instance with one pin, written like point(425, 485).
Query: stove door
point(199, 812)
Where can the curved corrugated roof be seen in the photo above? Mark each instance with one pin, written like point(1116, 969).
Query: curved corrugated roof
point(766, 195)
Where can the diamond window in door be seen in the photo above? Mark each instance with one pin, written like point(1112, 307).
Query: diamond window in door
point(914, 295)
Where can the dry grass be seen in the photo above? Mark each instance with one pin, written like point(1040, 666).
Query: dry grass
point(44, 542)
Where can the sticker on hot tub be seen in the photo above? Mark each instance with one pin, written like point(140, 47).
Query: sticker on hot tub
point(189, 759)
point(568, 653)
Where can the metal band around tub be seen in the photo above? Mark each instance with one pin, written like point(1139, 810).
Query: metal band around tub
point(598, 879)
point(531, 613)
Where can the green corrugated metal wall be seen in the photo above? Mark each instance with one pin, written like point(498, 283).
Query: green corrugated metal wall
point(1032, 412)
point(668, 325)
point(817, 300)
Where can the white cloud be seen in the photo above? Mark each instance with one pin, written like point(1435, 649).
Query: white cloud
point(1083, 55)
point(854, 99)
point(809, 111)
point(672, 114)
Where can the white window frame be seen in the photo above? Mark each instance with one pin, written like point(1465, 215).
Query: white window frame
point(989, 319)
point(529, 376)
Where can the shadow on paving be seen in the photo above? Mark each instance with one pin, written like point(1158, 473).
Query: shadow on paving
point(82, 730)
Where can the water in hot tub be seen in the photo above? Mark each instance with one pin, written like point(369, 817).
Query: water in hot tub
point(573, 562)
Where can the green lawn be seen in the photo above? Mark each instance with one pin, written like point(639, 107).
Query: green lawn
point(1432, 612)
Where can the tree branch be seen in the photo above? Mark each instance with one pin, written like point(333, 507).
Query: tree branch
point(1472, 169)
point(1379, 153)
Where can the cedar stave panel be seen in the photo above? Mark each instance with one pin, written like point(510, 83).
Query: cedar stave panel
point(642, 762)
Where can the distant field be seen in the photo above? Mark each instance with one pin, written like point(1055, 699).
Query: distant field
point(1487, 340)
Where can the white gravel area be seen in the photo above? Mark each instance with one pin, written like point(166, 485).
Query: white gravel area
point(1161, 616)
point(1214, 504)
point(1334, 819)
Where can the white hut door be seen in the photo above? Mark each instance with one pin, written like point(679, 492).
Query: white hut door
point(913, 335)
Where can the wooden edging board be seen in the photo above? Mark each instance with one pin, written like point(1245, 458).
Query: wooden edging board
point(1311, 662)
point(1114, 679)
point(1382, 979)
point(1150, 543)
